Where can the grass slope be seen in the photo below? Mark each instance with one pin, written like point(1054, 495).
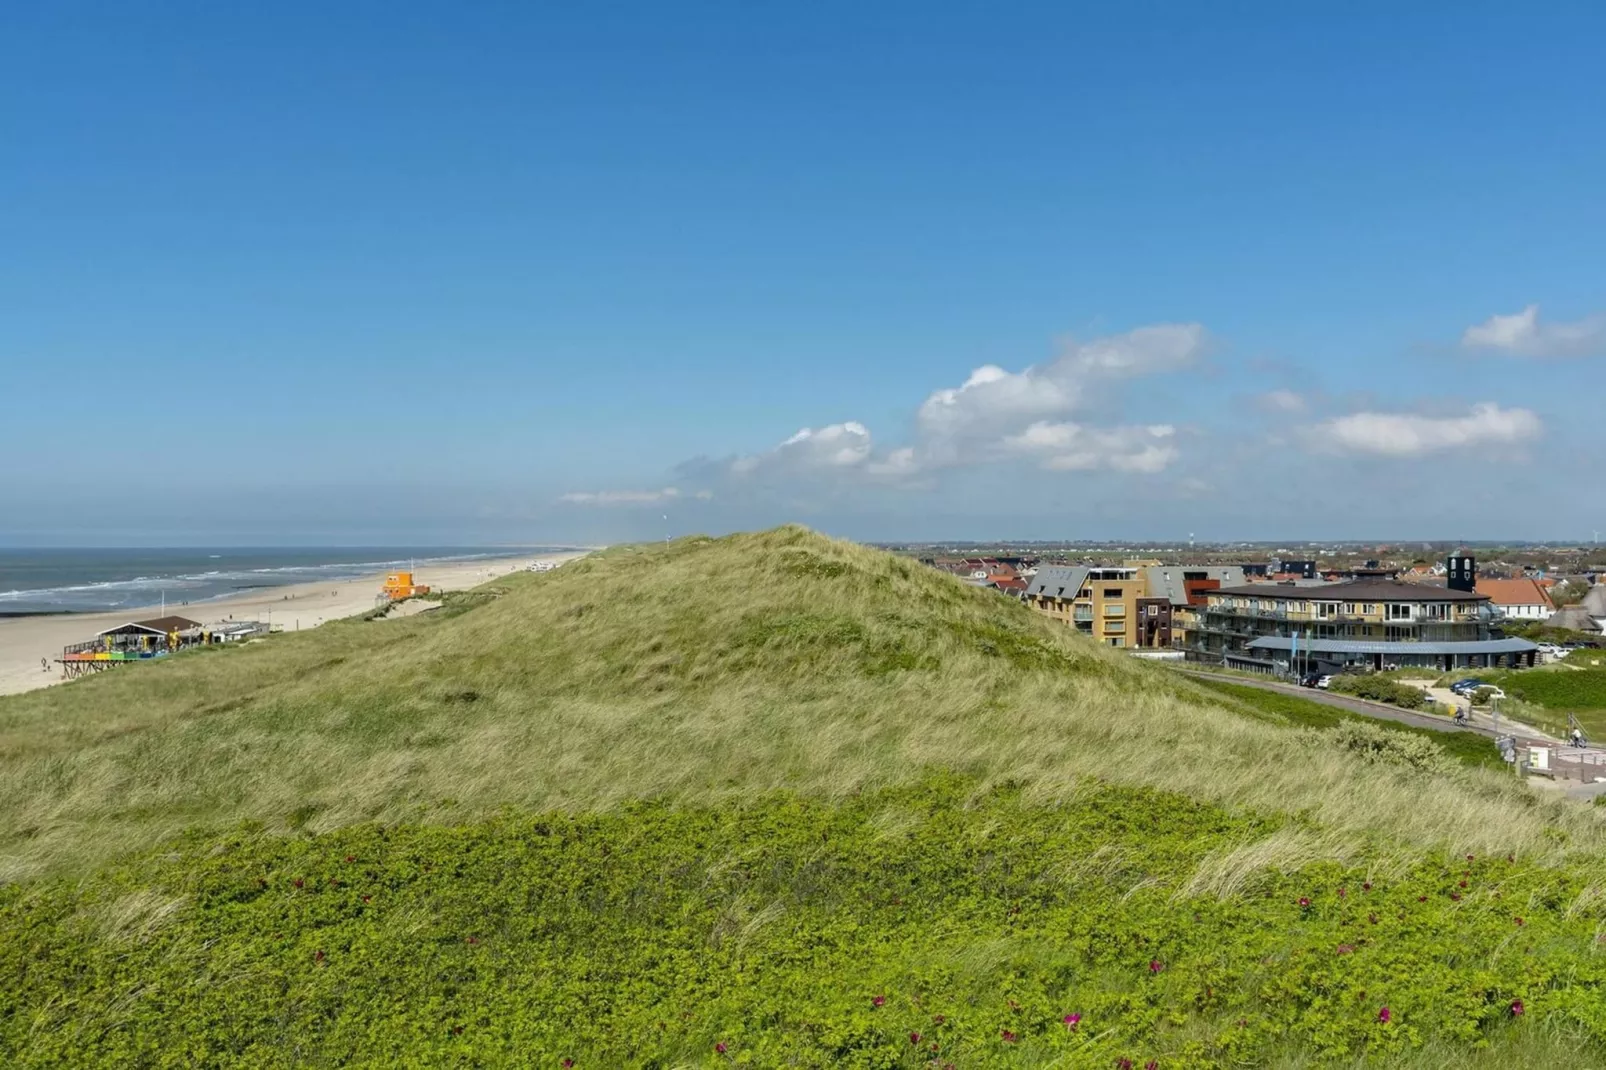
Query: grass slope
point(1291, 710)
point(729, 792)
point(1545, 696)
point(701, 670)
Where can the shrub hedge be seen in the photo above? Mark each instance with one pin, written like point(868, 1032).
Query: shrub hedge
point(1380, 689)
point(938, 925)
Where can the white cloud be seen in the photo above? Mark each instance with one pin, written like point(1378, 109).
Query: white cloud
point(1281, 401)
point(1409, 435)
point(998, 415)
point(1068, 447)
point(1523, 335)
point(836, 446)
point(992, 398)
point(631, 497)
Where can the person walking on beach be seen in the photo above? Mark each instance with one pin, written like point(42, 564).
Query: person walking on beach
point(44, 664)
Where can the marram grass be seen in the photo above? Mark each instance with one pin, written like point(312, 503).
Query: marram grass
point(1012, 825)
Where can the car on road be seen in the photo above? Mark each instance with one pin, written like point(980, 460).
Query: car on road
point(1324, 682)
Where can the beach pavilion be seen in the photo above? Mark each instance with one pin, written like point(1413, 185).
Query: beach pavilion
point(134, 641)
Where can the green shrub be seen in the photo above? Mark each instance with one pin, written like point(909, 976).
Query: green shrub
point(1376, 743)
point(787, 932)
point(1380, 689)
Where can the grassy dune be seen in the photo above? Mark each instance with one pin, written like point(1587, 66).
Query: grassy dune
point(702, 670)
point(727, 792)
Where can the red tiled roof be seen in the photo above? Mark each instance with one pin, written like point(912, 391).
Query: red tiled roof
point(1522, 592)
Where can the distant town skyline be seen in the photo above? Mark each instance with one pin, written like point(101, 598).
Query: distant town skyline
point(295, 276)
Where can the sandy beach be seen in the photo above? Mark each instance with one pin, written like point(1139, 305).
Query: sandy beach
point(25, 640)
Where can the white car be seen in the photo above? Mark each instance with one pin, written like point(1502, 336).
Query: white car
point(1325, 682)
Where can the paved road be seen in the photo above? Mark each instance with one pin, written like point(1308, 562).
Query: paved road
point(1373, 709)
point(1569, 763)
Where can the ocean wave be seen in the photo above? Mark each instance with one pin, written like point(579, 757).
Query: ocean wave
point(215, 584)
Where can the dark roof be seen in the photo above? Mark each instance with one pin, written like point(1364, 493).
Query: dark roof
point(1355, 591)
point(169, 624)
point(1055, 580)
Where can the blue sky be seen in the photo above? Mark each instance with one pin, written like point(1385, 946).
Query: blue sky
point(369, 272)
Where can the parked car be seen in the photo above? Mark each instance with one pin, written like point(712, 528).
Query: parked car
point(1324, 682)
point(1462, 687)
point(1310, 679)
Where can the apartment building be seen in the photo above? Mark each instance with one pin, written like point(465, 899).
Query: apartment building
point(1373, 624)
point(1101, 603)
point(1138, 605)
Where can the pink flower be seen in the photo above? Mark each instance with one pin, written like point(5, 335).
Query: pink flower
point(1516, 1008)
point(720, 1047)
point(1123, 1063)
point(938, 1020)
point(914, 1038)
point(1341, 893)
point(566, 1064)
point(1072, 1021)
point(1384, 1015)
point(1155, 966)
point(1152, 1064)
point(878, 1001)
point(1304, 902)
point(1519, 921)
point(1421, 899)
point(1463, 884)
point(1345, 949)
point(1366, 886)
point(1009, 1038)
point(1469, 858)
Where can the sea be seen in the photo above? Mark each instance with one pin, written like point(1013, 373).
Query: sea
point(33, 582)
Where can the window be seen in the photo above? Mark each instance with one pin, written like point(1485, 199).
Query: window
point(1118, 642)
point(1154, 611)
point(1113, 592)
point(1115, 627)
point(1116, 610)
point(1399, 611)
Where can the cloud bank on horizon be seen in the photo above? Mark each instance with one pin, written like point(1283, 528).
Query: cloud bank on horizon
point(1052, 418)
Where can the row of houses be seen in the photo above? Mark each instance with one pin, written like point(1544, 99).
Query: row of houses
point(1300, 622)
